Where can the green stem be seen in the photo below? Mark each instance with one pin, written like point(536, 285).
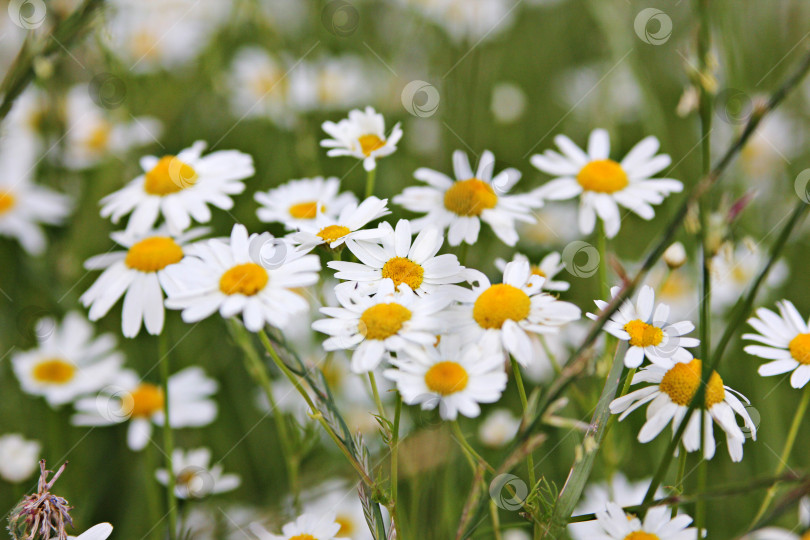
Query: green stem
point(377, 401)
point(168, 436)
point(525, 404)
point(465, 445)
point(788, 448)
point(257, 370)
point(496, 522)
point(679, 479)
point(370, 178)
point(395, 451)
point(152, 489)
point(601, 245)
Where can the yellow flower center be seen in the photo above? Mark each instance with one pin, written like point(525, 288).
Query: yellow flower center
point(333, 232)
point(247, 279)
point(305, 210)
point(54, 371)
point(303, 537)
point(403, 270)
point(153, 254)
point(499, 303)
point(146, 400)
point(643, 334)
point(7, 200)
point(99, 138)
point(537, 272)
point(369, 143)
point(383, 320)
point(346, 526)
point(170, 175)
point(446, 378)
point(641, 535)
point(681, 383)
point(604, 176)
point(800, 348)
point(470, 197)
point(806, 536)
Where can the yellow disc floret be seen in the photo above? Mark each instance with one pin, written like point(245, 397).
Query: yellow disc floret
point(305, 210)
point(470, 197)
point(247, 279)
point(403, 270)
point(153, 254)
point(333, 232)
point(170, 175)
point(369, 143)
point(643, 334)
point(603, 176)
point(641, 535)
point(800, 348)
point(303, 537)
point(446, 378)
point(681, 382)
point(54, 371)
point(499, 303)
point(145, 400)
point(7, 200)
point(383, 320)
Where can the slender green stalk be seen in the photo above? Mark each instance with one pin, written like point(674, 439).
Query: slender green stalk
point(395, 451)
point(467, 447)
point(786, 450)
point(679, 480)
point(601, 246)
point(496, 522)
point(258, 371)
point(370, 179)
point(377, 401)
point(168, 436)
point(524, 402)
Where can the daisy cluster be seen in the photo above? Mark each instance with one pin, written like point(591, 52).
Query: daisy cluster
point(395, 297)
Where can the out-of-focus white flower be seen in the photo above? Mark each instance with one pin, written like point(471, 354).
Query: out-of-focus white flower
point(148, 35)
point(259, 86)
point(141, 403)
point(361, 135)
point(468, 20)
point(548, 268)
point(91, 135)
point(341, 500)
point(25, 206)
point(734, 268)
point(498, 428)
point(19, 457)
point(675, 255)
point(332, 83)
point(584, 90)
point(508, 102)
point(68, 362)
point(196, 478)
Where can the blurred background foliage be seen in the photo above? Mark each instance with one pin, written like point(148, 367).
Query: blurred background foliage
point(577, 64)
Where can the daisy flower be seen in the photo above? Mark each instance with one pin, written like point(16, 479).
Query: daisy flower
point(775, 533)
point(92, 135)
point(195, 477)
point(25, 206)
point(498, 428)
point(179, 188)
point(258, 86)
point(234, 277)
point(452, 376)
point(19, 457)
point(139, 275)
point(657, 525)
point(461, 205)
point(141, 403)
point(362, 136)
point(300, 202)
point(645, 328)
point(384, 322)
point(333, 232)
point(734, 268)
point(338, 498)
point(394, 256)
point(785, 340)
point(510, 314)
point(68, 361)
point(317, 527)
point(604, 184)
point(671, 392)
point(619, 490)
point(549, 267)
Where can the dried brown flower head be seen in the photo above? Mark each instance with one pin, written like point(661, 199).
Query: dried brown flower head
point(42, 514)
